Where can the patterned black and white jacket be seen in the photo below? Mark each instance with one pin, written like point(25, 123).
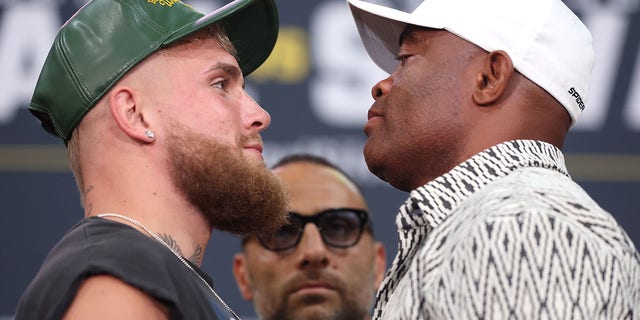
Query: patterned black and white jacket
point(508, 235)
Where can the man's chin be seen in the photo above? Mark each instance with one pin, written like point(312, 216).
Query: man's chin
point(318, 311)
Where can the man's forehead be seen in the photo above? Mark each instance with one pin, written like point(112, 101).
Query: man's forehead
point(410, 33)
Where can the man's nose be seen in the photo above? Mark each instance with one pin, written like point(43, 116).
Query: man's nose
point(381, 88)
point(256, 117)
point(312, 250)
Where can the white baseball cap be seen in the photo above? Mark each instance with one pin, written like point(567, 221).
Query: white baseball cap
point(546, 41)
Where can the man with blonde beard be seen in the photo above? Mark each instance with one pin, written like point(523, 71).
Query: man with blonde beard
point(165, 146)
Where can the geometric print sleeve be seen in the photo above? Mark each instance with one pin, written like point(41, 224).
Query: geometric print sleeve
point(532, 265)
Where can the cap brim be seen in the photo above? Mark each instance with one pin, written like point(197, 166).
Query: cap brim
point(252, 27)
point(380, 28)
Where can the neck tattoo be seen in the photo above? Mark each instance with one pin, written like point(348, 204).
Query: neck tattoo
point(159, 239)
point(195, 258)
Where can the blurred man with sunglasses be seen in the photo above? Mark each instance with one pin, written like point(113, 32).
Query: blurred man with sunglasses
point(325, 263)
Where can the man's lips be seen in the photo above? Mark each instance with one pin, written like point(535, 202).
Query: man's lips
point(372, 117)
point(311, 287)
point(254, 146)
point(373, 114)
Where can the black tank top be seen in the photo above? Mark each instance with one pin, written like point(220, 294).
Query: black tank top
point(99, 246)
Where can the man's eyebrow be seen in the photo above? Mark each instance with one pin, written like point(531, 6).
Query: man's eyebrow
point(228, 68)
point(406, 35)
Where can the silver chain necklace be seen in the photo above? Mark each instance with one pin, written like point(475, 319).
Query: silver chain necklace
point(157, 238)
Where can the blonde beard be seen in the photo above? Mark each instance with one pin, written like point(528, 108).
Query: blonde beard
point(233, 193)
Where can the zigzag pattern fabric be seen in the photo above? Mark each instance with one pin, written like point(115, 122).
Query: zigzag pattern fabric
point(508, 235)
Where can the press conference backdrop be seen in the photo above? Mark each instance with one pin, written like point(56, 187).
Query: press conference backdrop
point(316, 86)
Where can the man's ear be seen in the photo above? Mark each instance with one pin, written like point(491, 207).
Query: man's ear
point(128, 115)
point(380, 263)
point(493, 79)
point(242, 277)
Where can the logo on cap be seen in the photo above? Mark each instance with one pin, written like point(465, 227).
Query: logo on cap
point(167, 3)
point(576, 95)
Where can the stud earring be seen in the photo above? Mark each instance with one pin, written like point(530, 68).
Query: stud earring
point(149, 134)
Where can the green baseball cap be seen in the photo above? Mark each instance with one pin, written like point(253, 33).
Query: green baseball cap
point(106, 38)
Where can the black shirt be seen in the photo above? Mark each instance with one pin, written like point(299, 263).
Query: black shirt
point(98, 246)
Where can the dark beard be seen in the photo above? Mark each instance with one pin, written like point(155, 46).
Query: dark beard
point(349, 312)
point(232, 193)
point(349, 308)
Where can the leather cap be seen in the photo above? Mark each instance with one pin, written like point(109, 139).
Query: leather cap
point(107, 38)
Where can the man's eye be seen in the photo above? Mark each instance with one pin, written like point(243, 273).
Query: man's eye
point(221, 84)
point(402, 57)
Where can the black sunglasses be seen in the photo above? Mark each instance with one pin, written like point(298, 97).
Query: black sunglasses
point(339, 228)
